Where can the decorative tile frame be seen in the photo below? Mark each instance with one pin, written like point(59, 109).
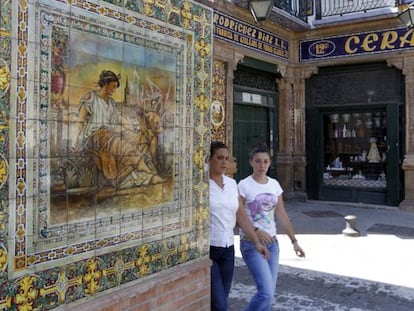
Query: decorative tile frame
point(218, 108)
point(56, 268)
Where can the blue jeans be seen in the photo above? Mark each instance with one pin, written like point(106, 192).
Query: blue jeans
point(221, 276)
point(264, 273)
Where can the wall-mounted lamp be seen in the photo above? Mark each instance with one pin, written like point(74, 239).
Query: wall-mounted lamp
point(407, 16)
point(260, 9)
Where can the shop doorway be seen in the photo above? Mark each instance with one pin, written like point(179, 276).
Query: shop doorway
point(354, 134)
point(254, 118)
point(359, 158)
point(255, 113)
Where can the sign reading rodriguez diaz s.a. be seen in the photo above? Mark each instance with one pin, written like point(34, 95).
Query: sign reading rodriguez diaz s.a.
point(243, 34)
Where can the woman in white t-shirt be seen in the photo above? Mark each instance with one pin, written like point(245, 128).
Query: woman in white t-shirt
point(262, 199)
point(224, 209)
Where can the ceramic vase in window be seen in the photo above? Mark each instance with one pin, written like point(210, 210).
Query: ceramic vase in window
point(368, 123)
point(334, 118)
point(346, 117)
point(360, 132)
point(377, 121)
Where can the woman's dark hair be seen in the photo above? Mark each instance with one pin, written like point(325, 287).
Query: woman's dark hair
point(107, 77)
point(216, 145)
point(259, 148)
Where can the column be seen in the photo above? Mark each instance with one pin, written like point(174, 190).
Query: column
point(406, 64)
point(231, 59)
point(292, 115)
point(284, 160)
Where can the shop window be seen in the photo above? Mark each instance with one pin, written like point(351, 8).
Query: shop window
point(355, 149)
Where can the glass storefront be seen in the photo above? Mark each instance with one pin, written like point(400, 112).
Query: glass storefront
point(354, 134)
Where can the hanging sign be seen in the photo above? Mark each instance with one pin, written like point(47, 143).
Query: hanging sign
point(356, 44)
point(232, 30)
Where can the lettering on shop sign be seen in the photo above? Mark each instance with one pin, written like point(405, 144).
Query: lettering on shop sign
point(357, 44)
point(237, 32)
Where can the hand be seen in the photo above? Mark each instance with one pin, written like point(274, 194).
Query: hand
point(264, 237)
point(263, 250)
point(298, 250)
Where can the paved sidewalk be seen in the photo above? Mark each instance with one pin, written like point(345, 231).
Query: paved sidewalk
point(371, 272)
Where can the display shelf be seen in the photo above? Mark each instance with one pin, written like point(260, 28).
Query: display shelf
point(355, 149)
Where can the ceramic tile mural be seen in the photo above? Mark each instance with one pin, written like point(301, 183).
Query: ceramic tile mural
point(104, 128)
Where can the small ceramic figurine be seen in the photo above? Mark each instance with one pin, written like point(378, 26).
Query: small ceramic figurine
point(373, 154)
point(364, 156)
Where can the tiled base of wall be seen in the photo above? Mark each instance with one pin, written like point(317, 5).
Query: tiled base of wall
point(185, 288)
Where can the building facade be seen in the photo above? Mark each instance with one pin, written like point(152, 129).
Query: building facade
point(339, 126)
point(108, 109)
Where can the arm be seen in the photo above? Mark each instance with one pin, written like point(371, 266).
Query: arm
point(284, 220)
point(244, 222)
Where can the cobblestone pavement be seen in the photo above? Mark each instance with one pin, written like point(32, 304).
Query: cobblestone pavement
point(300, 290)
point(371, 272)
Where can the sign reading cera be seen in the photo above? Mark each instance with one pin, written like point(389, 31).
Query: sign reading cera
point(357, 44)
